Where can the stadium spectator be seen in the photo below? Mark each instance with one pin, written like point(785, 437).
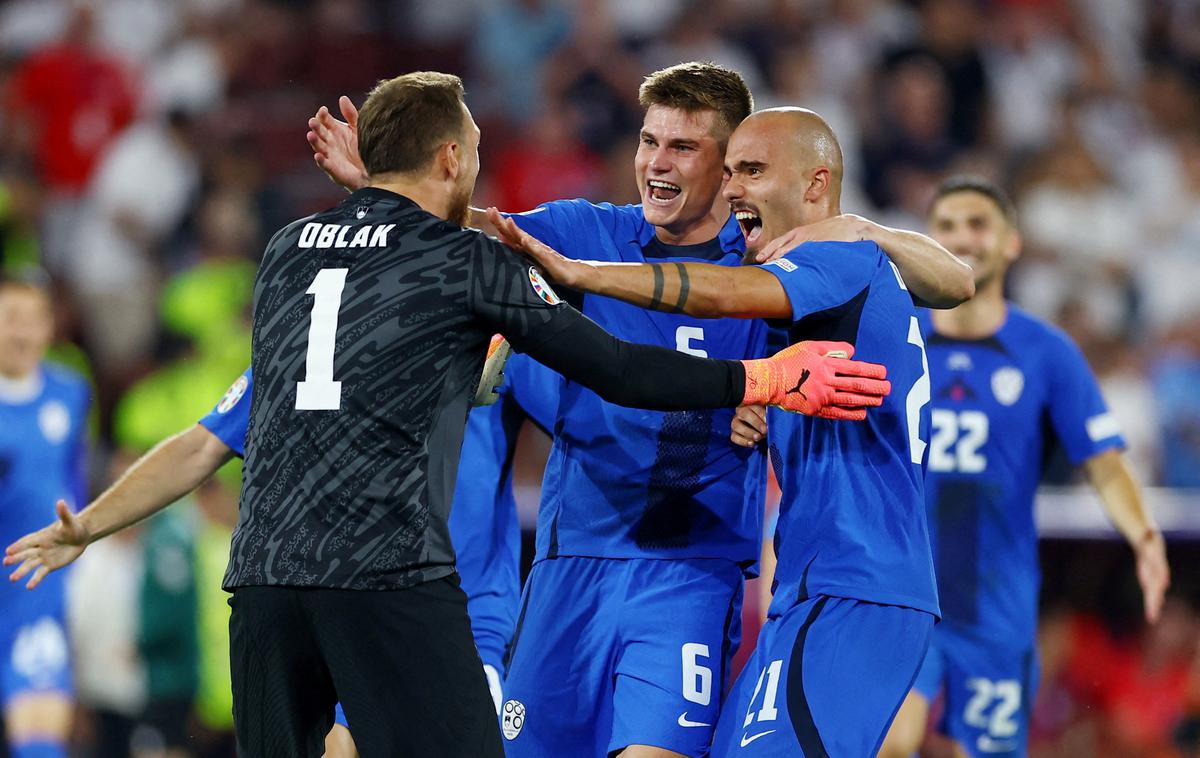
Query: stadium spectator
point(67, 102)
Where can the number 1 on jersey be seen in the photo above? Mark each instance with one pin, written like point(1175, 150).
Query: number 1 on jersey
point(318, 391)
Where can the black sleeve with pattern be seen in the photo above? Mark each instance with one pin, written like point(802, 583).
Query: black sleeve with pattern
point(512, 298)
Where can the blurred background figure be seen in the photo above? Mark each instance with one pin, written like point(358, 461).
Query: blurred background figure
point(148, 149)
point(43, 436)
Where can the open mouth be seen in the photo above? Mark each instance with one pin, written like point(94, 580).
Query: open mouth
point(751, 224)
point(660, 192)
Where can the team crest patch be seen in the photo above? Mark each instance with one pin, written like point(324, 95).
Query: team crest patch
point(1007, 384)
point(513, 717)
point(55, 421)
point(542, 287)
point(233, 395)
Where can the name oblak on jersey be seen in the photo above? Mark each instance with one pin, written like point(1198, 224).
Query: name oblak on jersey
point(323, 236)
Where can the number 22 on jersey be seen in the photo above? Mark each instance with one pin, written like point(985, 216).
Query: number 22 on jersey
point(318, 391)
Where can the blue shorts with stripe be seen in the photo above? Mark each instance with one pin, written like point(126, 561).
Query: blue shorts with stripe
point(825, 679)
point(988, 690)
point(616, 652)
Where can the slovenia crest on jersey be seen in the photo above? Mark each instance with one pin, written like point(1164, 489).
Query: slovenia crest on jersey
point(512, 717)
point(233, 394)
point(55, 421)
point(542, 287)
point(1007, 384)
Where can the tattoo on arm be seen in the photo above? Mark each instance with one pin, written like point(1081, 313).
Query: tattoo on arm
point(656, 301)
point(684, 286)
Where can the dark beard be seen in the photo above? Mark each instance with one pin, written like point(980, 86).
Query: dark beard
point(460, 208)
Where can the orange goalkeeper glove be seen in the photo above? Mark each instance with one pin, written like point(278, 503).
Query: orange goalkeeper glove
point(806, 379)
point(493, 371)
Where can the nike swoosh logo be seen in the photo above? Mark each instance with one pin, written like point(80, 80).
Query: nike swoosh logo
point(746, 740)
point(803, 378)
point(683, 721)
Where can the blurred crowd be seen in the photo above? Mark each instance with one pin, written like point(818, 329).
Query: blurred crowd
point(148, 148)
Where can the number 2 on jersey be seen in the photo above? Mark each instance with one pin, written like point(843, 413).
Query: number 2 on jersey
point(318, 391)
point(918, 396)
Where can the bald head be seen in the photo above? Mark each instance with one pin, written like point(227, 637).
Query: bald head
point(809, 136)
point(785, 167)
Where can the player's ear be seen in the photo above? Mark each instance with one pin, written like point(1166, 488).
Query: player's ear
point(818, 186)
point(448, 159)
point(1012, 246)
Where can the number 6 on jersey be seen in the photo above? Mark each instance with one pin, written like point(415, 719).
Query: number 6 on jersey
point(318, 391)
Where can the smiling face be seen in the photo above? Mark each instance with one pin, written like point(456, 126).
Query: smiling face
point(678, 168)
point(765, 182)
point(783, 169)
point(971, 225)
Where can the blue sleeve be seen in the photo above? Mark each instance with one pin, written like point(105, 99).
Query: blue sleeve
point(484, 528)
point(563, 225)
point(1076, 408)
point(818, 276)
point(534, 388)
point(230, 417)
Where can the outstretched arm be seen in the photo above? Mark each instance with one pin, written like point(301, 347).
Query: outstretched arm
point(812, 378)
point(173, 468)
point(934, 276)
point(1109, 473)
point(697, 289)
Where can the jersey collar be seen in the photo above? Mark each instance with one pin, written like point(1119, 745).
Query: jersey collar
point(23, 390)
point(730, 235)
point(377, 194)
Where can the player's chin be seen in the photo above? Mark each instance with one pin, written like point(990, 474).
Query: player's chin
point(658, 213)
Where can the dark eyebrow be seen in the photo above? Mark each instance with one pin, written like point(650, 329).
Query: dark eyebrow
point(747, 165)
point(682, 142)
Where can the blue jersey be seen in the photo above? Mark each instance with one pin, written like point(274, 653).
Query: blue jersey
point(483, 524)
point(999, 405)
point(851, 517)
point(629, 483)
point(43, 433)
point(483, 517)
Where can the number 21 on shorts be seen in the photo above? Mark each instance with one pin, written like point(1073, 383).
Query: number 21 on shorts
point(767, 711)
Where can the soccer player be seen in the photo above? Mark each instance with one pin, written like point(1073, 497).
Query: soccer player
point(370, 321)
point(1007, 387)
point(644, 515)
point(483, 523)
point(43, 418)
point(855, 600)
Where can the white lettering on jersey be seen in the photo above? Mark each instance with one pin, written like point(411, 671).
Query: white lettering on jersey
point(324, 236)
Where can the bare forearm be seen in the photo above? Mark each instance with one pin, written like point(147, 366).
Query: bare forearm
point(1121, 496)
point(703, 290)
point(691, 288)
point(175, 467)
point(934, 276)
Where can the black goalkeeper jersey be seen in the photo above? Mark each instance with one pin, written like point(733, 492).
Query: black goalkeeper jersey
point(371, 324)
